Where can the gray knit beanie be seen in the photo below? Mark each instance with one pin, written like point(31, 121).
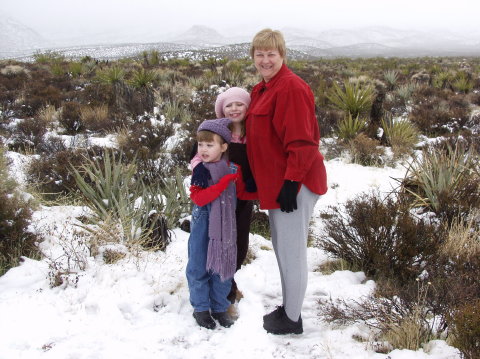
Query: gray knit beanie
point(218, 126)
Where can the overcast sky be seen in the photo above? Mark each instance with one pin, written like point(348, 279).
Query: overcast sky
point(60, 17)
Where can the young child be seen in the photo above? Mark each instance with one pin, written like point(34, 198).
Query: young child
point(233, 104)
point(212, 250)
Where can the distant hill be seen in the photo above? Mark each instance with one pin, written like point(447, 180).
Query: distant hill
point(19, 41)
point(16, 38)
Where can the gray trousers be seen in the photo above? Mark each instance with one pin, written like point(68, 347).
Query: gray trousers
point(289, 238)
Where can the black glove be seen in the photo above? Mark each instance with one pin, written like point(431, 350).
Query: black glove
point(287, 198)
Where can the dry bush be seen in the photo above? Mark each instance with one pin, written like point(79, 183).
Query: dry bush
point(70, 118)
point(404, 324)
point(260, 224)
point(366, 151)
point(51, 174)
point(379, 236)
point(144, 138)
point(49, 115)
point(96, 118)
point(466, 329)
point(438, 113)
point(15, 214)
point(463, 239)
point(29, 133)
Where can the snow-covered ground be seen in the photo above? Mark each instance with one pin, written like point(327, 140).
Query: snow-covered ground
point(138, 308)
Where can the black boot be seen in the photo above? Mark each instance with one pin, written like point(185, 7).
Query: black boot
point(277, 322)
point(224, 319)
point(204, 319)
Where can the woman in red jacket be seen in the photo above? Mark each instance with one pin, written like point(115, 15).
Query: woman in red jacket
point(283, 150)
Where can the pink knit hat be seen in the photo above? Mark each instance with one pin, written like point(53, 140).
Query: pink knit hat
point(233, 94)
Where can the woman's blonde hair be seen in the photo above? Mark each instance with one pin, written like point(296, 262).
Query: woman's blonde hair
point(268, 39)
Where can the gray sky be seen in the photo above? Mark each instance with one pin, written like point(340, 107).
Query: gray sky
point(73, 17)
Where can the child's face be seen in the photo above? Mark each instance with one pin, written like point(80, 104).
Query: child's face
point(211, 151)
point(236, 111)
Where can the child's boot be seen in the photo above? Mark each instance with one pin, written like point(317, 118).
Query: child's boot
point(204, 319)
point(224, 319)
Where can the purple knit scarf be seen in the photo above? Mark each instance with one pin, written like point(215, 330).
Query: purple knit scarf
point(222, 228)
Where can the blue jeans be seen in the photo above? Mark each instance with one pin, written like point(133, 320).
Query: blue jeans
point(207, 291)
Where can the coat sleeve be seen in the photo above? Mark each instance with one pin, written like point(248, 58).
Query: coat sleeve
point(297, 128)
point(202, 196)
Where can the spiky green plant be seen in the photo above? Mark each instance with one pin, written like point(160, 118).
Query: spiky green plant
point(391, 78)
point(75, 68)
point(462, 83)
point(442, 79)
point(350, 127)
point(400, 133)
point(111, 76)
point(48, 57)
point(444, 181)
point(233, 73)
point(143, 78)
point(176, 111)
point(354, 98)
point(405, 92)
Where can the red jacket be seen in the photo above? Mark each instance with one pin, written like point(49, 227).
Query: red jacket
point(283, 137)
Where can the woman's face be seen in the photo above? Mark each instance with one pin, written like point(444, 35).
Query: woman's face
point(267, 63)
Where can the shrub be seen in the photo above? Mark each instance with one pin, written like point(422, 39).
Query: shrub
point(96, 118)
point(466, 329)
point(366, 151)
point(50, 173)
point(379, 236)
point(15, 214)
point(404, 324)
point(29, 133)
point(354, 99)
point(70, 118)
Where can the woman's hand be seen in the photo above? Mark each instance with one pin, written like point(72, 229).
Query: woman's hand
point(287, 198)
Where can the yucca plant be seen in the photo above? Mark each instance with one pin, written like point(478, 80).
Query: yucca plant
point(446, 182)
point(462, 83)
point(111, 76)
point(233, 73)
point(354, 98)
point(75, 68)
point(143, 213)
point(176, 111)
point(391, 77)
point(143, 78)
point(400, 133)
point(350, 127)
point(442, 79)
point(405, 92)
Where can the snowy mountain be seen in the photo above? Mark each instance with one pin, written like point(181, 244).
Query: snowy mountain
point(201, 36)
point(16, 38)
point(18, 41)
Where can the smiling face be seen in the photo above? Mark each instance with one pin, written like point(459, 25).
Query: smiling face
point(235, 111)
point(267, 62)
point(212, 150)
